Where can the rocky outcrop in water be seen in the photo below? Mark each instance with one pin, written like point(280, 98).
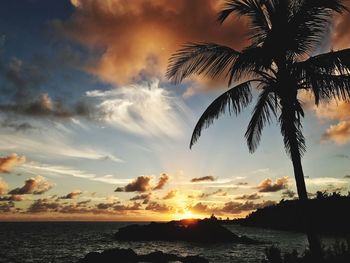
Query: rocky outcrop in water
point(205, 231)
point(129, 256)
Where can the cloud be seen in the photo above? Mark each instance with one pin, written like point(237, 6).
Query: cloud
point(143, 184)
point(163, 179)
point(35, 185)
point(8, 162)
point(145, 197)
point(13, 198)
point(142, 35)
point(170, 195)
point(43, 205)
point(3, 187)
point(339, 133)
point(72, 195)
point(140, 184)
point(336, 111)
point(203, 179)
point(288, 194)
point(347, 176)
point(7, 207)
point(206, 195)
point(341, 31)
point(254, 196)
point(229, 207)
point(269, 186)
point(157, 207)
point(144, 109)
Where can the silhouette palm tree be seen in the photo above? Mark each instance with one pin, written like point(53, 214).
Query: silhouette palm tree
point(282, 35)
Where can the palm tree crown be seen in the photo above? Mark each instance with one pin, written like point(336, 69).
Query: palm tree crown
point(278, 62)
point(283, 34)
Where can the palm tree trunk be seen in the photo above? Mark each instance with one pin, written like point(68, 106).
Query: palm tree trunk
point(314, 241)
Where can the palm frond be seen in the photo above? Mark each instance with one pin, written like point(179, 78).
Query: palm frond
point(200, 58)
point(334, 62)
point(261, 115)
point(234, 100)
point(326, 87)
point(328, 75)
point(309, 22)
point(250, 61)
point(259, 26)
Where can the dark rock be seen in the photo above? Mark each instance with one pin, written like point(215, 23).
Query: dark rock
point(207, 231)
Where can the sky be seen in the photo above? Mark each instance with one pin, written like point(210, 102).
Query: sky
point(90, 128)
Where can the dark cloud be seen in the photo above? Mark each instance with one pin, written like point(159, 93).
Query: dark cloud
point(43, 205)
point(169, 195)
point(21, 126)
point(347, 176)
point(269, 186)
point(157, 207)
point(8, 162)
point(14, 198)
point(35, 185)
point(288, 194)
point(7, 207)
point(143, 184)
point(203, 179)
point(140, 184)
point(144, 197)
point(72, 195)
point(254, 196)
point(163, 179)
point(206, 195)
point(242, 183)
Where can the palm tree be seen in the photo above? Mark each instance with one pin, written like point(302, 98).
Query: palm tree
point(278, 64)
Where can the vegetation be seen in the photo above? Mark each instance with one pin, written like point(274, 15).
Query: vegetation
point(277, 62)
point(329, 210)
point(339, 253)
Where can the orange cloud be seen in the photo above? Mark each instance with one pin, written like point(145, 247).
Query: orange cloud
point(269, 186)
point(340, 36)
point(35, 185)
point(8, 162)
point(340, 133)
point(171, 194)
point(132, 40)
point(163, 179)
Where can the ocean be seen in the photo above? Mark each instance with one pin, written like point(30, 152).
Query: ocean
point(64, 242)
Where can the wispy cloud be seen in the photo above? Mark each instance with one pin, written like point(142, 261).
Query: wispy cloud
point(53, 170)
point(145, 109)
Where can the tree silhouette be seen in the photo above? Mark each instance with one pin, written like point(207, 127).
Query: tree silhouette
point(278, 63)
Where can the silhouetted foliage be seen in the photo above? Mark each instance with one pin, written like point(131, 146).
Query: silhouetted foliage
point(338, 253)
point(330, 212)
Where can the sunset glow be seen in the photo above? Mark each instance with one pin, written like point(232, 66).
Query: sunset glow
point(92, 130)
